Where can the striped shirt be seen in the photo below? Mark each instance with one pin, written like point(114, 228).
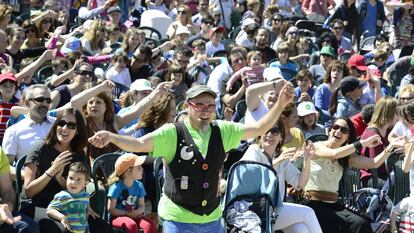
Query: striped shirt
point(74, 207)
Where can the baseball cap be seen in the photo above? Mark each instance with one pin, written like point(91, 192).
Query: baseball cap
point(141, 85)
point(8, 76)
point(357, 61)
point(182, 30)
point(272, 73)
point(215, 30)
point(328, 50)
point(306, 108)
point(198, 90)
point(350, 83)
point(125, 161)
point(71, 44)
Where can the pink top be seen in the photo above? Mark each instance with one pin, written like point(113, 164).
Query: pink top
point(317, 6)
point(253, 75)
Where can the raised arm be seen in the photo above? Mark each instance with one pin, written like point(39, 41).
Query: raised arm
point(143, 105)
point(126, 143)
point(79, 100)
point(30, 69)
point(321, 150)
point(269, 119)
point(369, 163)
point(254, 91)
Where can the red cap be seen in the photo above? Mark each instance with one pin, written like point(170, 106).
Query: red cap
point(357, 61)
point(216, 29)
point(7, 76)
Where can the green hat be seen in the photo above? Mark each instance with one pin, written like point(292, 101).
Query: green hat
point(198, 90)
point(328, 50)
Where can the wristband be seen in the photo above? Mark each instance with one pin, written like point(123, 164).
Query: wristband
point(358, 146)
point(48, 174)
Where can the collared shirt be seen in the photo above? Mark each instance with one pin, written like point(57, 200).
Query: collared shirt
point(19, 138)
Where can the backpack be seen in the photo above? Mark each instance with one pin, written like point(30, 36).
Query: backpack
point(375, 205)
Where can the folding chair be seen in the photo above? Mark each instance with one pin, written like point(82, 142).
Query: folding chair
point(19, 180)
point(349, 183)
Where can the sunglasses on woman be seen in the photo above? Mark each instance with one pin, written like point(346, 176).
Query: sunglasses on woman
point(275, 131)
point(344, 130)
point(70, 125)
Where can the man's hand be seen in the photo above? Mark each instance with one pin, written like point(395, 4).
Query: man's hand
point(100, 139)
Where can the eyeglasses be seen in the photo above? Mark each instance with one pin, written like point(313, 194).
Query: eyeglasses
point(85, 73)
point(344, 130)
point(27, 30)
point(294, 33)
point(41, 100)
point(202, 107)
point(406, 98)
point(69, 125)
point(275, 131)
point(277, 19)
point(137, 59)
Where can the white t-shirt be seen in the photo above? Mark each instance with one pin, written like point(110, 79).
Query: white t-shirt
point(405, 206)
point(256, 115)
point(122, 77)
point(211, 49)
point(400, 129)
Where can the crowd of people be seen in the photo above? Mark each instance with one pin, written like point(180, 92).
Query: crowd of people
point(251, 79)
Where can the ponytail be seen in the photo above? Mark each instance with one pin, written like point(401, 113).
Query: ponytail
point(113, 178)
point(334, 102)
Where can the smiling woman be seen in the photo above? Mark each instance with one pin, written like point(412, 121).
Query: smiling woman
point(46, 168)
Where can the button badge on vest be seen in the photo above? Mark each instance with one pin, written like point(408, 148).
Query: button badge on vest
point(186, 153)
point(205, 185)
point(204, 166)
point(204, 203)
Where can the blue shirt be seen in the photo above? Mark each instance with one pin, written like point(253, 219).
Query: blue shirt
point(310, 92)
point(322, 99)
point(369, 23)
point(346, 108)
point(126, 197)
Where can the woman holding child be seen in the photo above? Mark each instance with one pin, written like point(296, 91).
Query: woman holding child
point(46, 169)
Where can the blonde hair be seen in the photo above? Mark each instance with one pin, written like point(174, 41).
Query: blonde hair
point(128, 34)
point(95, 34)
point(384, 111)
point(406, 88)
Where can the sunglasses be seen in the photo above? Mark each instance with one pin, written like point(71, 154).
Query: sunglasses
point(69, 125)
point(406, 98)
point(85, 73)
point(202, 107)
point(181, 12)
point(275, 131)
point(277, 19)
point(344, 130)
point(139, 60)
point(27, 30)
point(338, 28)
point(41, 100)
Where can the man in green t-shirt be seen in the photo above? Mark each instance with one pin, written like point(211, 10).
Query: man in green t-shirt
point(187, 148)
point(10, 221)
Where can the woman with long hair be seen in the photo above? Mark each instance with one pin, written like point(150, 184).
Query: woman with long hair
point(46, 168)
point(293, 136)
point(93, 42)
point(267, 150)
point(382, 121)
point(331, 80)
point(32, 35)
point(183, 19)
point(331, 158)
point(132, 39)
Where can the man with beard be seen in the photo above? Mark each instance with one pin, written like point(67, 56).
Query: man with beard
point(262, 45)
point(194, 153)
point(20, 138)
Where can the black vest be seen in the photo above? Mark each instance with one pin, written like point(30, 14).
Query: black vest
point(190, 180)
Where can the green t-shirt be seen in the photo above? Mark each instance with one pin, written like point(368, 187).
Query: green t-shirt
point(4, 163)
point(165, 145)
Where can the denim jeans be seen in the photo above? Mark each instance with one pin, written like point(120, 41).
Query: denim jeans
point(25, 225)
point(178, 227)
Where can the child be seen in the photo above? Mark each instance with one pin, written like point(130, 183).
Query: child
point(133, 38)
point(8, 88)
point(302, 47)
point(118, 73)
point(304, 91)
point(114, 33)
point(198, 62)
point(214, 45)
point(71, 206)
point(307, 119)
point(176, 74)
point(126, 203)
point(253, 73)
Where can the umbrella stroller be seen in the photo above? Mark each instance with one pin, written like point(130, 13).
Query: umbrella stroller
point(251, 201)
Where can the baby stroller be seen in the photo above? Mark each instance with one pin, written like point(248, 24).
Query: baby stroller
point(251, 201)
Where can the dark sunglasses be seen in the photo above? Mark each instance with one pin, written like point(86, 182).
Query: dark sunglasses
point(27, 30)
point(85, 73)
point(406, 98)
point(275, 131)
point(70, 125)
point(277, 19)
point(41, 100)
point(344, 130)
point(139, 60)
point(181, 12)
point(338, 28)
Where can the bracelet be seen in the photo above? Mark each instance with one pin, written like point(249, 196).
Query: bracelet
point(358, 146)
point(48, 174)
